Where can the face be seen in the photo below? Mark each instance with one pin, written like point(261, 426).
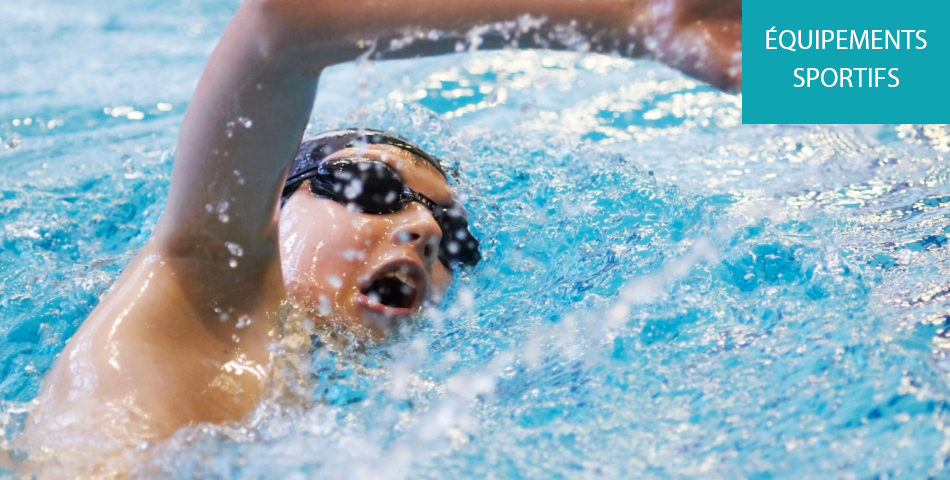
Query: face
point(367, 273)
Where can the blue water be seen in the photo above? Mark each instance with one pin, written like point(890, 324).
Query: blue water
point(666, 293)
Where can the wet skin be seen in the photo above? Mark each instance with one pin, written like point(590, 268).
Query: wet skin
point(330, 255)
point(166, 347)
point(148, 361)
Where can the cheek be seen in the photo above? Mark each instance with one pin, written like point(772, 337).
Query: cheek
point(292, 242)
point(324, 249)
point(310, 245)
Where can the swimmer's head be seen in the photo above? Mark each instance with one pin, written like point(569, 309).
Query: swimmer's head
point(370, 231)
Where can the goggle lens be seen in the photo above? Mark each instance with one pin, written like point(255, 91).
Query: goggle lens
point(373, 187)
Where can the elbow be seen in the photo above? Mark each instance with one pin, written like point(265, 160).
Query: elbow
point(274, 24)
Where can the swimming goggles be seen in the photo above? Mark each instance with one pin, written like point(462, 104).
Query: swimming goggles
point(369, 186)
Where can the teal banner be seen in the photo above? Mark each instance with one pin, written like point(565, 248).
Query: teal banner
point(845, 61)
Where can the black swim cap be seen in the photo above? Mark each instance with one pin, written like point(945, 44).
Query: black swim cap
point(313, 150)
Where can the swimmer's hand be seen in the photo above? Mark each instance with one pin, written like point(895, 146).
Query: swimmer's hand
point(706, 41)
point(703, 38)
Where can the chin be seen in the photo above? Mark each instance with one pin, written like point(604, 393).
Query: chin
point(363, 319)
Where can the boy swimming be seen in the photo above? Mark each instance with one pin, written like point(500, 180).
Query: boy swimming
point(359, 229)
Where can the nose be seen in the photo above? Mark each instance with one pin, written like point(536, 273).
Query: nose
point(418, 228)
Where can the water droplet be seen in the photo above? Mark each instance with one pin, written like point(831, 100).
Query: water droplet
point(234, 248)
point(13, 143)
point(243, 321)
point(351, 255)
point(324, 307)
point(353, 189)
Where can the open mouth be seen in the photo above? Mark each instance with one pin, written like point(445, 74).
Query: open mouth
point(398, 288)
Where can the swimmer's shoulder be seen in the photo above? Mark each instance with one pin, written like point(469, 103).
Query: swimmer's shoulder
point(148, 347)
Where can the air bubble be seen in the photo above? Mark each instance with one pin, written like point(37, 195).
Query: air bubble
point(334, 281)
point(233, 263)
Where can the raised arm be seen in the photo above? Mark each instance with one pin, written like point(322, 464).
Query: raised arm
point(703, 38)
point(253, 101)
point(241, 128)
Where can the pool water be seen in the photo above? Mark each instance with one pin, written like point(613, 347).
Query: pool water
point(666, 293)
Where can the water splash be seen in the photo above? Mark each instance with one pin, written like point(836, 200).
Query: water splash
point(665, 292)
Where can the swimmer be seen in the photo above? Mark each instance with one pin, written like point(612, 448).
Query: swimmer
point(358, 229)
